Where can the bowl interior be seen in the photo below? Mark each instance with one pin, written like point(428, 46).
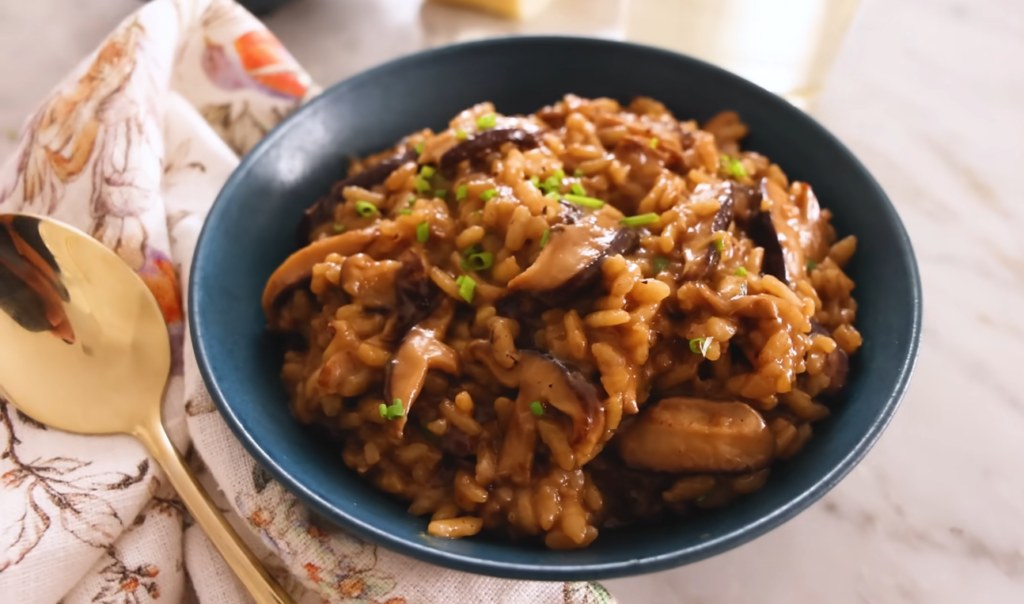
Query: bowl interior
point(251, 230)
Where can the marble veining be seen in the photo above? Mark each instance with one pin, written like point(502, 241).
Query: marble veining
point(928, 94)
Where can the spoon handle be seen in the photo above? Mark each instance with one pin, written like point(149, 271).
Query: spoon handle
point(261, 586)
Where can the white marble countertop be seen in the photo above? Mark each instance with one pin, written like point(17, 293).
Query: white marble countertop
point(930, 95)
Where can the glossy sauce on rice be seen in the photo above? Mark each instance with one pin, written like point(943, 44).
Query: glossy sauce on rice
point(539, 326)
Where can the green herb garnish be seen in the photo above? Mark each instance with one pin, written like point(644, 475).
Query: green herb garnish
point(733, 167)
point(535, 180)
point(536, 408)
point(419, 148)
point(659, 264)
point(641, 220)
point(741, 272)
point(489, 194)
point(365, 209)
point(412, 201)
point(337, 227)
point(719, 244)
point(405, 212)
point(479, 261)
point(422, 184)
point(487, 121)
point(466, 287)
point(394, 411)
point(440, 193)
point(654, 143)
point(559, 176)
point(460, 135)
point(811, 265)
point(461, 193)
point(577, 189)
point(589, 202)
point(544, 238)
point(578, 173)
point(427, 171)
point(553, 195)
point(700, 346)
point(423, 232)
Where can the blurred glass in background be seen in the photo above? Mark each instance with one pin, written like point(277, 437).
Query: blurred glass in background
point(786, 46)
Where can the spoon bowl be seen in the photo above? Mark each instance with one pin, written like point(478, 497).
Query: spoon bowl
point(85, 350)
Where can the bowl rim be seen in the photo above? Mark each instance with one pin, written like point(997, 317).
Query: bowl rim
point(535, 571)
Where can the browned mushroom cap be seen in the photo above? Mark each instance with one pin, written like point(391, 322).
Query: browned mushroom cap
point(298, 268)
point(837, 362)
point(421, 350)
point(697, 435)
point(570, 263)
point(542, 377)
point(485, 142)
point(323, 210)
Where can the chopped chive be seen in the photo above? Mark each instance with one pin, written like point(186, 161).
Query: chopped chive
point(720, 244)
point(654, 143)
point(365, 209)
point(412, 201)
point(337, 227)
point(405, 212)
point(461, 193)
point(476, 248)
point(419, 148)
point(559, 176)
point(427, 171)
point(535, 180)
point(659, 264)
point(741, 272)
point(577, 189)
point(421, 184)
point(489, 194)
point(536, 408)
point(553, 195)
point(589, 202)
point(394, 411)
point(487, 121)
point(440, 193)
point(461, 135)
point(743, 288)
point(544, 238)
point(700, 345)
point(578, 173)
point(733, 167)
point(480, 261)
point(811, 265)
point(466, 287)
point(423, 232)
point(641, 220)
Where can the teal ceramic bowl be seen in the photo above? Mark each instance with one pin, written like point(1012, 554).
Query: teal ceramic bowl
point(251, 229)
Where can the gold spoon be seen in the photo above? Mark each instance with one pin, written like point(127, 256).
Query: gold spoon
point(85, 349)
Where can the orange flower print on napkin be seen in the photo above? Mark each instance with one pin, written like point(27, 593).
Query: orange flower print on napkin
point(256, 60)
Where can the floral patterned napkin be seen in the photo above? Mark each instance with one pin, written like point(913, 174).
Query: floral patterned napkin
point(132, 147)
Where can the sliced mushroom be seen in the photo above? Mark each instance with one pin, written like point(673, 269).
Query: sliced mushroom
point(421, 350)
point(701, 262)
point(571, 261)
point(371, 283)
point(542, 377)
point(837, 362)
point(416, 295)
point(323, 210)
point(298, 268)
point(768, 229)
point(485, 142)
point(697, 435)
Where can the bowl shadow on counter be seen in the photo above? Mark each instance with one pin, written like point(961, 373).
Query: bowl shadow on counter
point(251, 230)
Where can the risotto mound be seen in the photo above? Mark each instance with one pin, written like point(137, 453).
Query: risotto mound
point(541, 325)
